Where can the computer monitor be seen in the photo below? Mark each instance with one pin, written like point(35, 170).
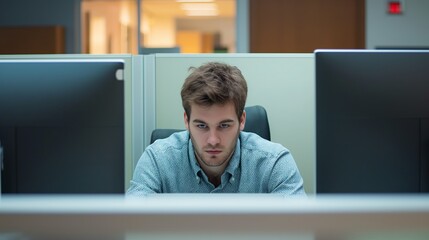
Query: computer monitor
point(372, 121)
point(62, 126)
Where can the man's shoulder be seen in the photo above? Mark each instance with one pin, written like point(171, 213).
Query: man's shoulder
point(254, 143)
point(177, 141)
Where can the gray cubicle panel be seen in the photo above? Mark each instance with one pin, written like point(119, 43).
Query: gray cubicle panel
point(131, 69)
point(282, 83)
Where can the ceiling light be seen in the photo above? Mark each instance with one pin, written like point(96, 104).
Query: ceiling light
point(198, 6)
point(194, 1)
point(201, 13)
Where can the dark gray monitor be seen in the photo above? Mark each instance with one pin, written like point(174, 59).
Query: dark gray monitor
point(62, 126)
point(372, 121)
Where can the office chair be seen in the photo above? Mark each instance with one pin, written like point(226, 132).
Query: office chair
point(256, 122)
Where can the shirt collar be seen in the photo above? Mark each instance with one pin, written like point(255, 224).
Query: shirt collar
point(234, 162)
point(192, 159)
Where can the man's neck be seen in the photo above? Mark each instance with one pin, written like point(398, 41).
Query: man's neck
point(214, 174)
point(216, 181)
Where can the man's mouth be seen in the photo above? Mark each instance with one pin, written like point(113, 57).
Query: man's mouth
point(213, 151)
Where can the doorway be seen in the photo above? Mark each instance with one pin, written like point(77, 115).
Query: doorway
point(185, 26)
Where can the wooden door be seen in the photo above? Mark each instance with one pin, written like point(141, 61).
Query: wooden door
point(32, 40)
point(301, 26)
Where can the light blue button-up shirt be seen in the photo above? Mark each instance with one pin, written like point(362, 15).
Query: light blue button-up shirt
point(257, 166)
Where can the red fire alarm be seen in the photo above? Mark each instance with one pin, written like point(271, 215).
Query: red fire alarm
point(395, 7)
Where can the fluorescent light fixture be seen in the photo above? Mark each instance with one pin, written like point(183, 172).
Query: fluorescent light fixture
point(201, 13)
point(198, 6)
point(194, 1)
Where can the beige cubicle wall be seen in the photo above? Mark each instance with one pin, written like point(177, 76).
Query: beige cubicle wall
point(282, 83)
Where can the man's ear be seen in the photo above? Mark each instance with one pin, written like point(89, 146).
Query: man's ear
point(185, 118)
point(242, 120)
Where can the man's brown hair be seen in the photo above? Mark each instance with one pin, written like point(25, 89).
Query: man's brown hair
point(214, 83)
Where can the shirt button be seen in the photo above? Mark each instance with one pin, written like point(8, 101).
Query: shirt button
point(232, 179)
point(198, 179)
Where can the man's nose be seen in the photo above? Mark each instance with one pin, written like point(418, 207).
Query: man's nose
point(213, 138)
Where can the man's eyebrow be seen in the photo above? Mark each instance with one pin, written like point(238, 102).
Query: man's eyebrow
point(198, 121)
point(223, 121)
point(227, 121)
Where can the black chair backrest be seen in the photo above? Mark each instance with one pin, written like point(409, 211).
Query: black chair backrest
point(256, 122)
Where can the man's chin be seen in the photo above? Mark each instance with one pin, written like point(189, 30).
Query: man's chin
point(213, 161)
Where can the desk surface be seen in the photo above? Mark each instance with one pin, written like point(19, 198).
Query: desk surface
point(197, 215)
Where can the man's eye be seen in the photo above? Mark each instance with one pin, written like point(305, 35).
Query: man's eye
point(201, 126)
point(224, 125)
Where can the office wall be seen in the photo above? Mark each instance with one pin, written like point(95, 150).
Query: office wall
point(410, 29)
point(64, 13)
point(282, 83)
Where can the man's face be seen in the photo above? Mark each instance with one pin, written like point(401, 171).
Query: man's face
point(214, 131)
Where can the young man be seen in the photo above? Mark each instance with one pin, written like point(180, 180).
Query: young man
point(214, 155)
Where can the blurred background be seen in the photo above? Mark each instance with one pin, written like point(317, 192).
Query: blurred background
point(210, 26)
